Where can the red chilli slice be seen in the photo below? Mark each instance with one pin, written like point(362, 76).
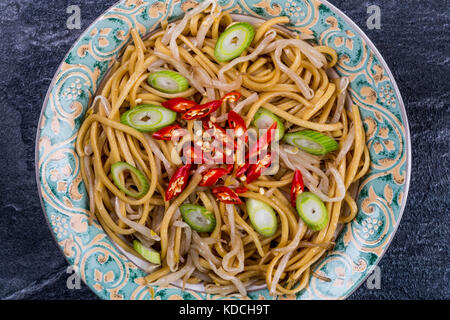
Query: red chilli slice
point(178, 182)
point(229, 168)
point(240, 189)
point(168, 133)
point(297, 186)
point(255, 170)
point(264, 141)
point(222, 142)
point(211, 176)
point(217, 131)
point(236, 123)
point(179, 104)
point(233, 96)
point(226, 195)
point(241, 169)
point(202, 110)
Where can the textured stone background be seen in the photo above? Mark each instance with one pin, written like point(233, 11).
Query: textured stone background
point(414, 39)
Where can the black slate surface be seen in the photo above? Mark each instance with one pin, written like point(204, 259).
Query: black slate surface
point(414, 40)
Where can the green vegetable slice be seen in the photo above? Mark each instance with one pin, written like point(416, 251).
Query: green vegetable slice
point(119, 167)
point(148, 117)
point(311, 141)
point(263, 119)
point(148, 253)
point(263, 217)
point(168, 81)
point(312, 210)
point(198, 218)
point(233, 41)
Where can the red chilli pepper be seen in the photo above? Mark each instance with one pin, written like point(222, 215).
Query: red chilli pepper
point(233, 96)
point(297, 186)
point(255, 170)
point(217, 131)
point(264, 141)
point(211, 176)
point(236, 122)
point(179, 104)
point(211, 152)
point(241, 169)
point(168, 133)
point(226, 195)
point(229, 168)
point(240, 190)
point(202, 110)
point(220, 137)
point(178, 182)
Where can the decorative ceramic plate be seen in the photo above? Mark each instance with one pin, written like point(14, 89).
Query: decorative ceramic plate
point(382, 192)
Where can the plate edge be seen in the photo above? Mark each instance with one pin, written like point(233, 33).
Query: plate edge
point(369, 44)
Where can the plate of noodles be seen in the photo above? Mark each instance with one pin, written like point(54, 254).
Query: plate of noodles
point(223, 149)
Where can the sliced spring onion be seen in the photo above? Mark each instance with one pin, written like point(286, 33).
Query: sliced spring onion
point(168, 81)
point(311, 141)
point(233, 41)
point(119, 167)
point(198, 218)
point(149, 254)
point(312, 210)
point(148, 117)
point(263, 120)
point(263, 217)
